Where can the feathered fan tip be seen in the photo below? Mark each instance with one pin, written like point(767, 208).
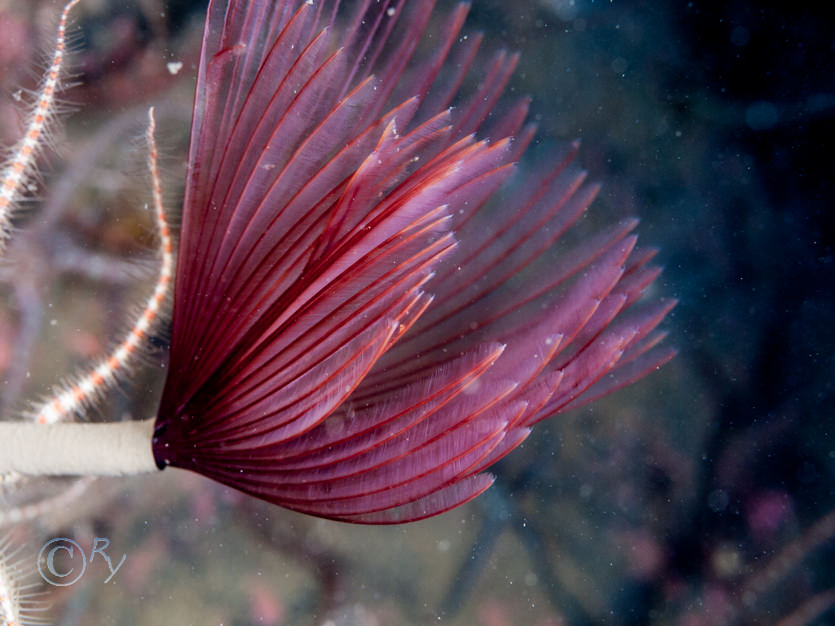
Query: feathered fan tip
point(357, 331)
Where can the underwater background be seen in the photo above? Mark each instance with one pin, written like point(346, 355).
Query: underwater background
point(703, 494)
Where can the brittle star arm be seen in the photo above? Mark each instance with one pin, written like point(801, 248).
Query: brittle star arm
point(21, 164)
point(49, 446)
point(16, 606)
point(80, 394)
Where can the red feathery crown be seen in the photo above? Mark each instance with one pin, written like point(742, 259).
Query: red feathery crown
point(362, 321)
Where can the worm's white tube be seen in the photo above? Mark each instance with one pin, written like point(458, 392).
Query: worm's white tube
point(73, 448)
